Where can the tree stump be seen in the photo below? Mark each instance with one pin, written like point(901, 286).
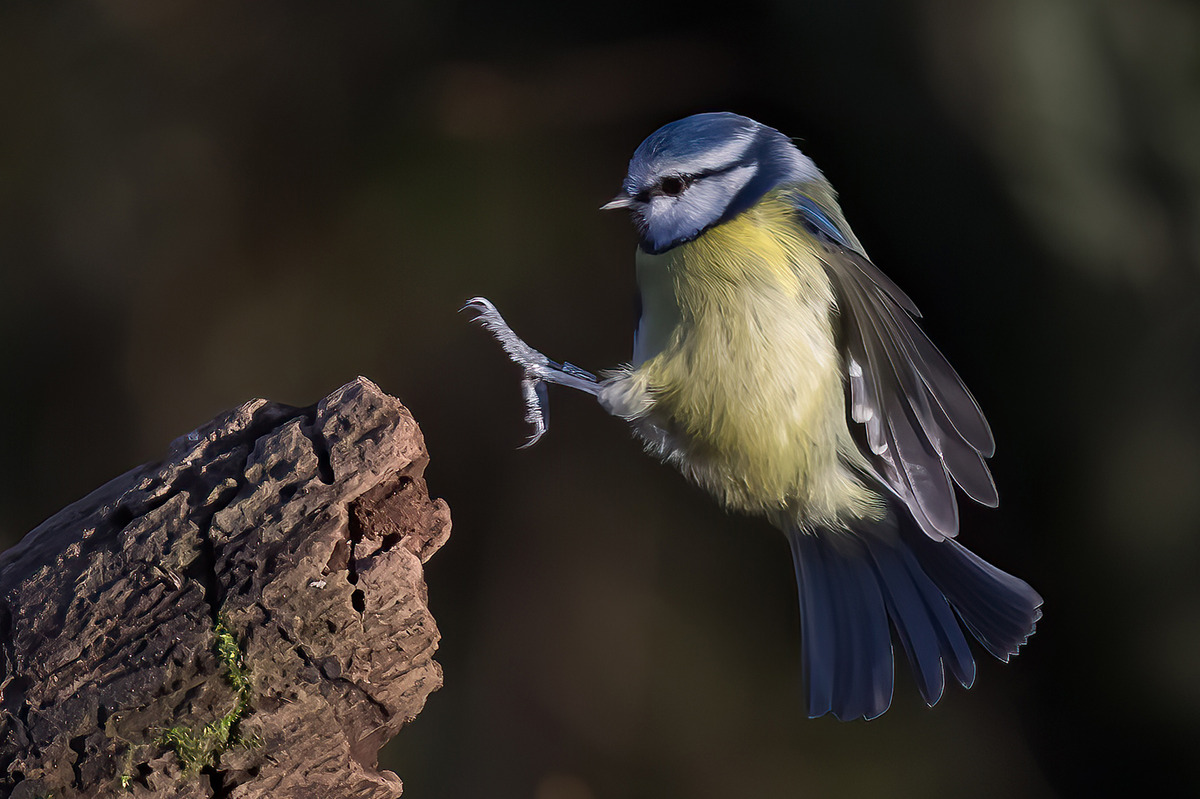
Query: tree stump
point(247, 618)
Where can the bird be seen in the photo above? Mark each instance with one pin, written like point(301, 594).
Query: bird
point(778, 368)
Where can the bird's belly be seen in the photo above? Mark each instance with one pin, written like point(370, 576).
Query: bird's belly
point(750, 407)
point(752, 421)
point(737, 377)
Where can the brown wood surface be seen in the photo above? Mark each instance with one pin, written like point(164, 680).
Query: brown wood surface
point(298, 533)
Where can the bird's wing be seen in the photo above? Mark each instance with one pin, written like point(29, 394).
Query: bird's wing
point(923, 427)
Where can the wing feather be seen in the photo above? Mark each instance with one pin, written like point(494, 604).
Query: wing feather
point(913, 467)
point(924, 430)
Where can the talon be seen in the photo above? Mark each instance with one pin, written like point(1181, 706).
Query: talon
point(533, 439)
point(538, 369)
point(537, 408)
point(482, 308)
point(483, 304)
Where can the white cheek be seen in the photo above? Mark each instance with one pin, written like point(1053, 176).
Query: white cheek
point(703, 203)
point(669, 219)
point(721, 188)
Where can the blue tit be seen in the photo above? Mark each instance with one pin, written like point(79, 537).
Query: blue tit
point(778, 368)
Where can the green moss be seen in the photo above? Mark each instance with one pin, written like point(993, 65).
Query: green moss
point(230, 653)
point(196, 750)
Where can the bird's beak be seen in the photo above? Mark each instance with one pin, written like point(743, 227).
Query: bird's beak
point(620, 201)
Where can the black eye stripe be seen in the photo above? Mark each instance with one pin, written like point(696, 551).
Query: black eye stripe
point(707, 173)
point(674, 185)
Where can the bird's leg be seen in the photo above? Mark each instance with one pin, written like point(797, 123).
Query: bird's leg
point(539, 370)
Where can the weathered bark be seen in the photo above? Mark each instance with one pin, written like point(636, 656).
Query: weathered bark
point(247, 618)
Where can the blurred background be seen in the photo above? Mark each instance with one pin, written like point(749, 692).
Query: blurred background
point(206, 202)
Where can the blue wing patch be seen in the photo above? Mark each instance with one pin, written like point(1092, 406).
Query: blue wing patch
point(817, 221)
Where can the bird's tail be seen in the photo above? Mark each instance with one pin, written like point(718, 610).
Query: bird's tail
point(851, 584)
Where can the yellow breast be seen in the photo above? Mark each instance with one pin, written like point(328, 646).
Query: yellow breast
point(740, 370)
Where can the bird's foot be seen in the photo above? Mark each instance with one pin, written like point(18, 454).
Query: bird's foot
point(538, 369)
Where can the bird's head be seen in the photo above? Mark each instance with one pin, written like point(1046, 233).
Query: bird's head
point(702, 170)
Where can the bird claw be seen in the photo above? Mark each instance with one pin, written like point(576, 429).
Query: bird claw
point(537, 408)
point(525, 356)
point(532, 362)
point(538, 369)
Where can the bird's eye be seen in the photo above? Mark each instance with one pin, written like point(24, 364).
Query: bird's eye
point(673, 186)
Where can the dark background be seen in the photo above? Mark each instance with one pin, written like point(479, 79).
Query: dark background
point(205, 202)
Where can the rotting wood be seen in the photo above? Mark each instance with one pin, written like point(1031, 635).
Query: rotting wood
point(246, 618)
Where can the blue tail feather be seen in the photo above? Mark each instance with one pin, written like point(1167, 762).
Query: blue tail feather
point(923, 620)
point(1000, 610)
point(818, 621)
point(868, 648)
point(842, 617)
point(852, 583)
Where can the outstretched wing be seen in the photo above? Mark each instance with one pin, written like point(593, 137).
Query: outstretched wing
point(923, 427)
